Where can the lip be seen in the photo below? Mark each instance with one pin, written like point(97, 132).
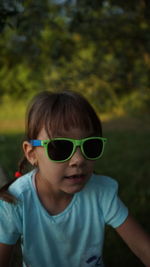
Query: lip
point(75, 178)
point(74, 175)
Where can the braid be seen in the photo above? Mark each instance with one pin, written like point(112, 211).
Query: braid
point(22, 165)
point(4, 194)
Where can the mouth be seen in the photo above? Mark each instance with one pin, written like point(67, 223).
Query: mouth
point(76, 178)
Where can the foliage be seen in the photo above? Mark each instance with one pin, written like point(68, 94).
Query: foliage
point(9, 12)
point(100, 48)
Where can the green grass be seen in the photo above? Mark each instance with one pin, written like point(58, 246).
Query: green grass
point(126, 159)
point(12, 115)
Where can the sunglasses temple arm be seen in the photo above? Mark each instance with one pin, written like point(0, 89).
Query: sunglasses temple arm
point(36, 142)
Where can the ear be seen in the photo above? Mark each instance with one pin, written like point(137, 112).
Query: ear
point(29, 152)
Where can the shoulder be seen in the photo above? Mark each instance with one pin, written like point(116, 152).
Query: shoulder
point(102, 188)
point(21, 185)
point(102, 192)
point(102, 183)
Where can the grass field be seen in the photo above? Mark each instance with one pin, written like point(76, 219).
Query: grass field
point(126, 158)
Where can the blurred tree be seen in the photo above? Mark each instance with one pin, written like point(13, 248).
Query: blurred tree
point(9, 12)
point(101, 48)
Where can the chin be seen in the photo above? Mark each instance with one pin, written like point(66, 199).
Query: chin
point(75, 189)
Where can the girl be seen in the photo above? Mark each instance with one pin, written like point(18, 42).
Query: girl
point(60, 208)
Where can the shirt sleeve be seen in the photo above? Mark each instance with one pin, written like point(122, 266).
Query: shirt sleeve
point(114, 210)
point(10, 223)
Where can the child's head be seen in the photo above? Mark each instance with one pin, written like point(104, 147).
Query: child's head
point(58, 115)
point(57, 112)
point(60, 122)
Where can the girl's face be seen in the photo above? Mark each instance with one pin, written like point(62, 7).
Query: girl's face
point(63, 177)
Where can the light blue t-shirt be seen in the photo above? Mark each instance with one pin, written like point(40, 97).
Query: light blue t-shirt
point(75, 236)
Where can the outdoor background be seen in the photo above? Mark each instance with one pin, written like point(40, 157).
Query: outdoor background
point(102, 50)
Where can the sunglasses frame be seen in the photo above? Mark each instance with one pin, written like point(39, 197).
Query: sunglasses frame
point(76, 143)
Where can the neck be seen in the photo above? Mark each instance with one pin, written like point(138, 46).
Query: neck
point(54, 201)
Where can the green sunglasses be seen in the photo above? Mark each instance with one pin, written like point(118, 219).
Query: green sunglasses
point(62, 149)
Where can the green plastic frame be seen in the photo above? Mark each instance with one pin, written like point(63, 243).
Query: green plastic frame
point(76, 143)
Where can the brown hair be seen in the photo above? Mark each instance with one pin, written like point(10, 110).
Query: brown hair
point(63, 110)
point(57, 111)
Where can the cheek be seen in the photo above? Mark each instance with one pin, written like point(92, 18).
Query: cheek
point(48, 167)
point(42, 161)
point(91, 165)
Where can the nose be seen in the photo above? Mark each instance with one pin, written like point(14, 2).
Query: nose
point(77, 158)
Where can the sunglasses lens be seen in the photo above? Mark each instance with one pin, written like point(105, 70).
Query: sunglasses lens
point(93, 148)
point(59, 149)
